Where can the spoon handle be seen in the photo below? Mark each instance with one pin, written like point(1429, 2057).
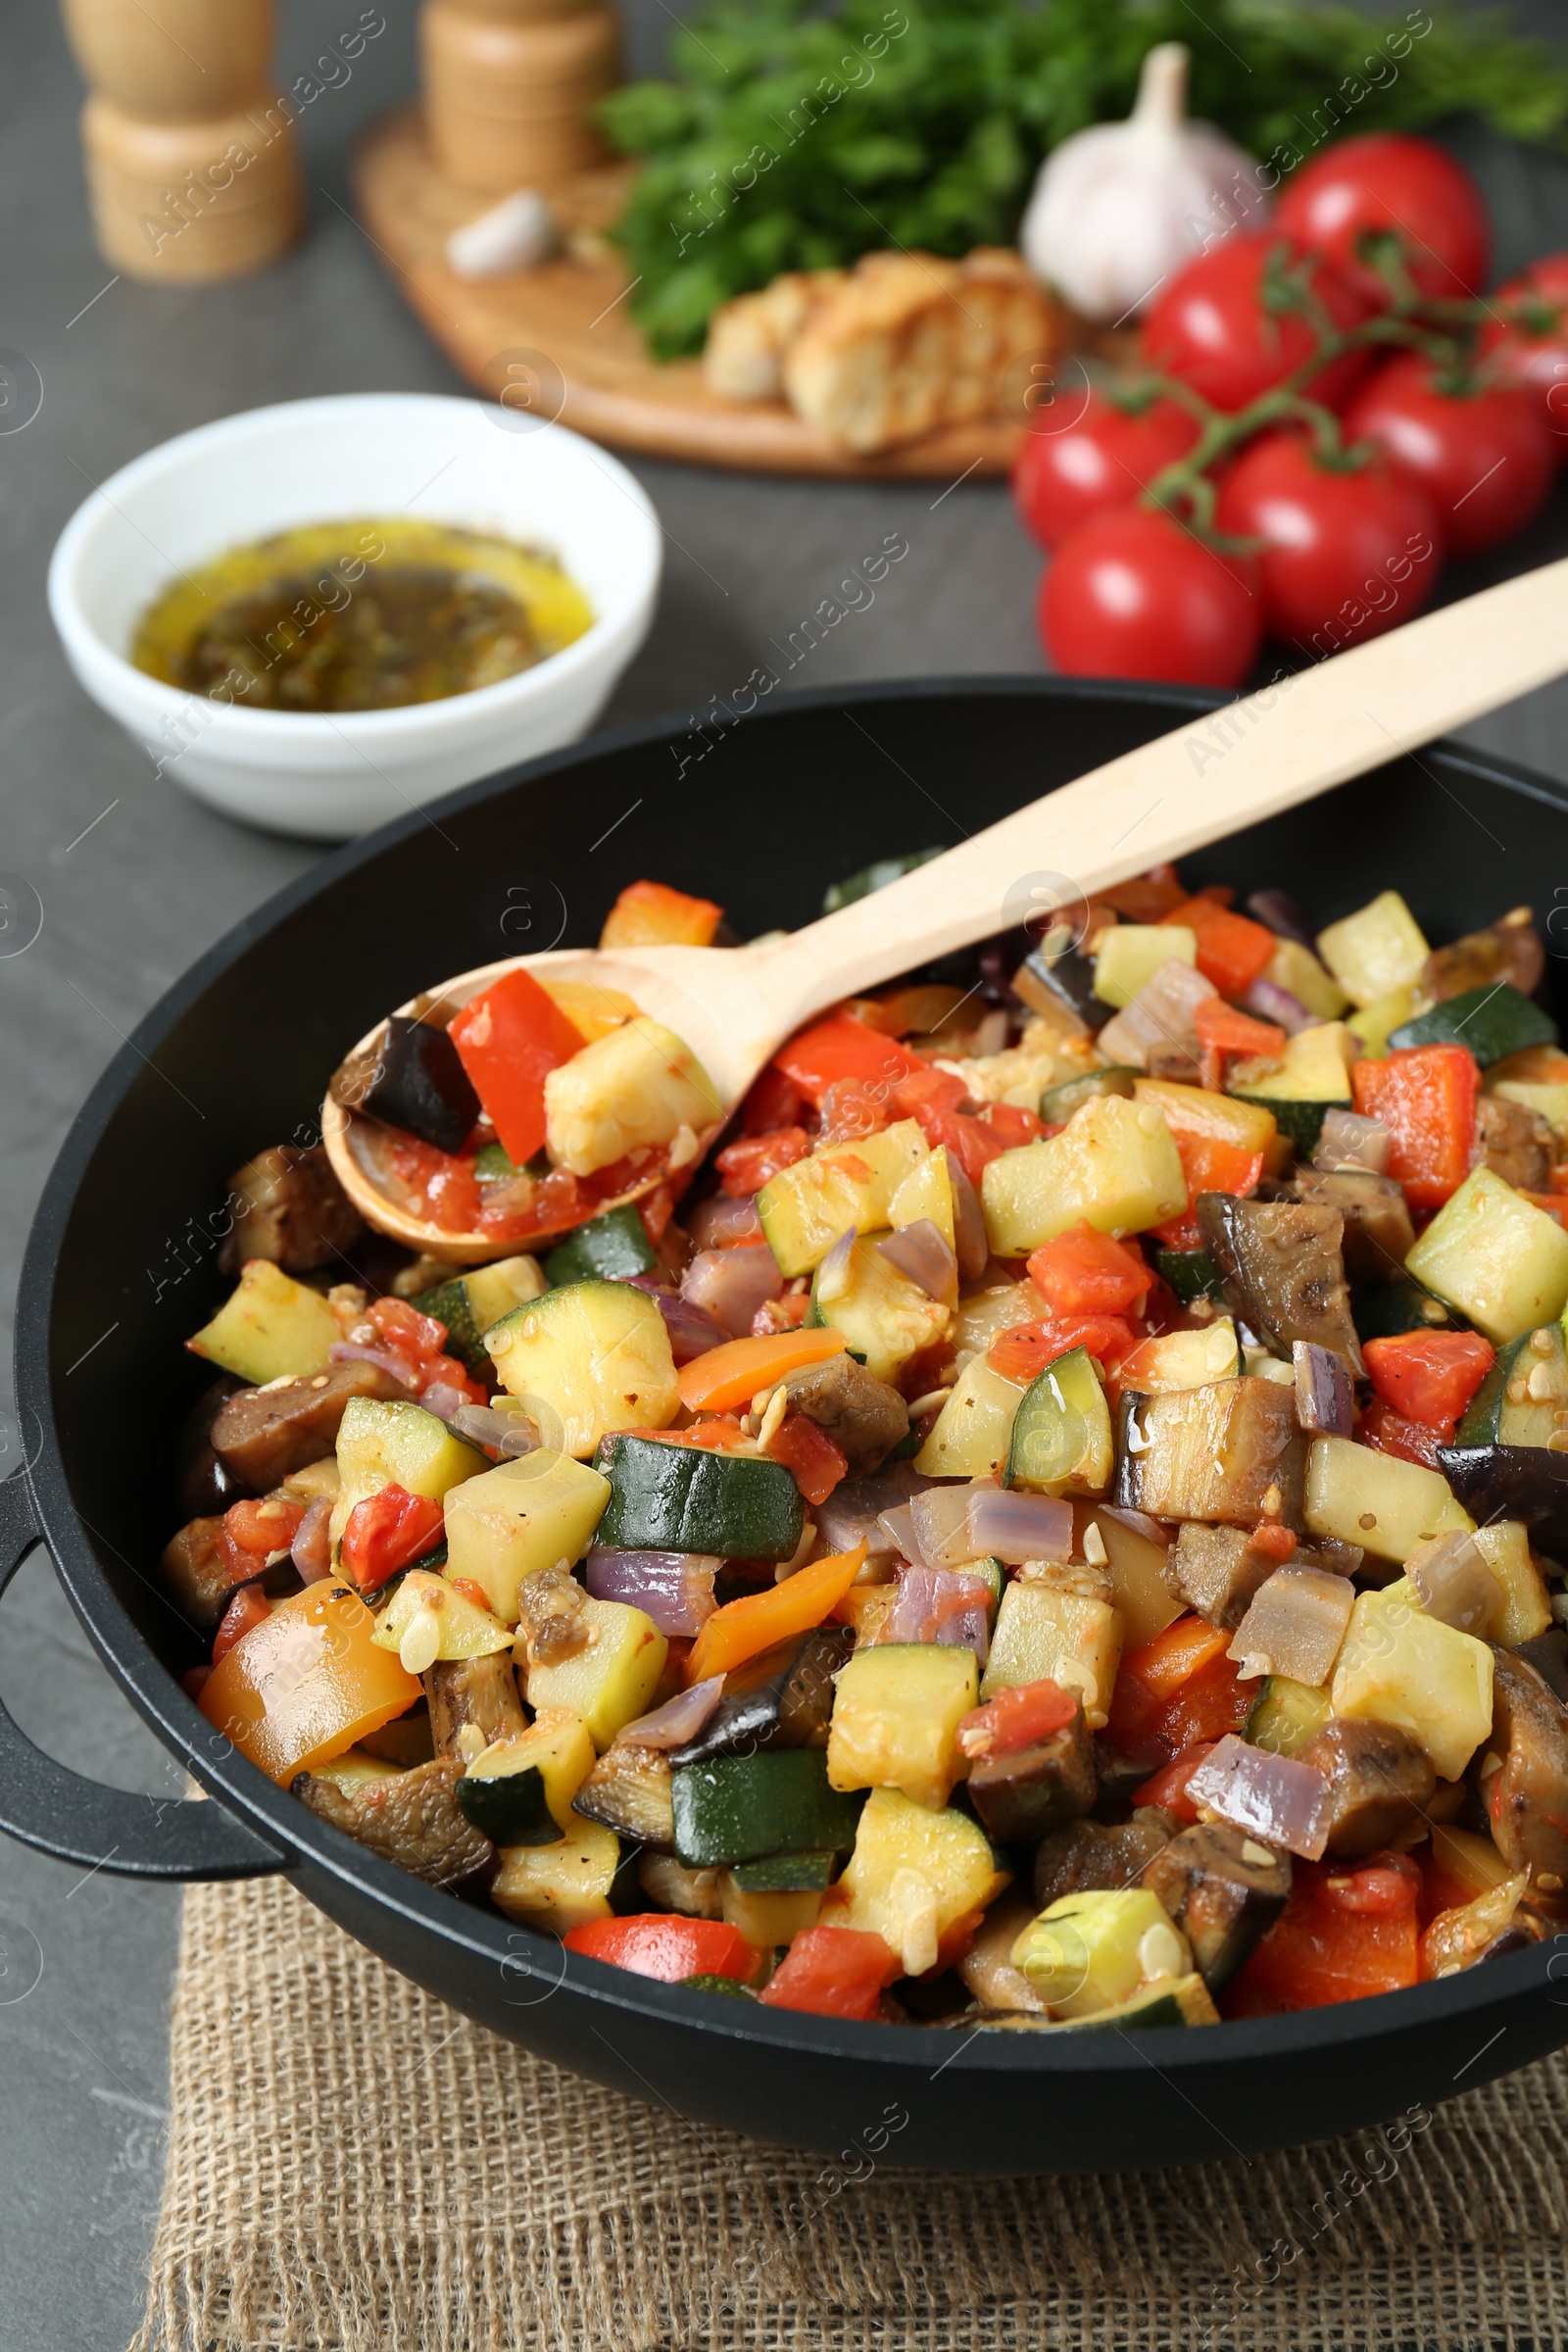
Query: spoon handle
point(1214, 774)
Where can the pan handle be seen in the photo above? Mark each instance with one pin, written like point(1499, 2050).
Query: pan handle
point(76, 1820)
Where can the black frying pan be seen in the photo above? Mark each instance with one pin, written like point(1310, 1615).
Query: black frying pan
point(122, 1266)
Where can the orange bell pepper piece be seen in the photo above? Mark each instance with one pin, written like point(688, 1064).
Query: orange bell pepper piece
point(1426, 1097)
point(733, 1374)
point(1228, 1031)
point(1232, 950)
point(743, 1629)
point(649, 915)
point(306, 1682)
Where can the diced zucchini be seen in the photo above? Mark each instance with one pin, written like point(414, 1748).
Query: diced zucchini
point(973, 1431)
point(1526, 1606)
point(914, 1873)
point(873, 877)
point(470, 1302)
point(804, 1208)
point(606, 1248)
point(1231, 1452)
point(1495, 1256)
point(1372, 1024)
point(786, 1873)
point(767, 1919)
point(1173, 2001)
point(1313, 1077)
point(355, 1771)
point(926, 1192)
point(666, 1497)
point(560, 1886)
point(511, 1522)
point(462, 1629)
point(272, 1328)
point(1465, 1856)
point(1138, 1592)
point(896, 1715)
point(609, 1682)
point(1191, 1273)
point(1196, 1110)
point(1399, 1665)
point(557, 1747)
point(1524, 1394)
point(597, 1352)
point(1399, 1306)
point(502, 1794)
point(1041, 1632)
point(1376, 949)
point(1062, 1441)
point(1377, 1500)
point(1185, 1360)
point(1492, 1022)
point(1539, 1079)
point(1295, 968)
point(885, 1317)
point(1285, 1714)
point(1131, 953)
point(1092, 1951)
point(630, 1090)
point(1115, 1164)
point(395, 1443)
point(980, 1318)
point(731, 1809)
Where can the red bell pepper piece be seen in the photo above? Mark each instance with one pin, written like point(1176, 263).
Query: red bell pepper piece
point(745, 1167)
point(1083, 1272)
point(1429, 1376)
point(1016, 1718)
point(1426, 1097)
point(810, 1454)
point(1387, 1431)
point(833, 1972)
point(1210, 1163)
point(386, 1531)
point(1177, 1688)
point(1222, 1028)
point(1167, 1787)
point(842, 1048)
point(247, 1608)
point(772, 1100)
point(667, 1946)
point(1343, 1933)
point(510, 1038)
point(1023, 1352)
point(1232, 950)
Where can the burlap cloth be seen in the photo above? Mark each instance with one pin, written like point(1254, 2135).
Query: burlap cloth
point(354, 2168)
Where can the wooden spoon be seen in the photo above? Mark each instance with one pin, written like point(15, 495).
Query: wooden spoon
point(1212, 775)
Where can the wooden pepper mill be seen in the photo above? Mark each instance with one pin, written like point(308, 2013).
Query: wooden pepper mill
point(509, 85)
point(192, 163)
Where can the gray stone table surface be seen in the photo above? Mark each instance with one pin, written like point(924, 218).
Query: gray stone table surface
point(136, 880)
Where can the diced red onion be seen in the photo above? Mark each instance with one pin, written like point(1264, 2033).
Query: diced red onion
point(677, 1721)
point(692, 1329)
point(1295, 1625)
point(675, 1588)
point(1271, 1003)
point(1331, 1553)
point(507, 1434)
point(312, 1547)
point(719, 1222)
point(921, 1250)
point(944, 1605)
point(444, 1400)
point(968, 1225)
point(1012, 1527)
point(834, 1268)
point(1325, 1396)
point(407, 1375)
point(1453, 1581)
point(936, 1525)
point(1349, 1140)
point(730, 1285)
point(1271, 1797)
point(1279, 912)
point(1160, 1015)
point(854, 1511)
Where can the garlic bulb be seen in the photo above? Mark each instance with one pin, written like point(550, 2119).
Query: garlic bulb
point(1119, 207)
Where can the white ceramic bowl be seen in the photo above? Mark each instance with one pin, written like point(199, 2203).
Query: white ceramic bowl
point(369, 454)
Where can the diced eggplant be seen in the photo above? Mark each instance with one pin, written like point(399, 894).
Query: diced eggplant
point(783, 1698)
point(1088, 1856)
point(1378, 1234)
point(204, 1483)
point(1229, 1452)
point(479, 1691)
point(1548, 1654)
point(1325, 1398)
point(290, 1207)
point(262, 1436)
point(987, 1969)
point(1215, 1571)
point(411, 1818)
point(671, 1887)
point(1488, 1928)
point(1061, 989)
point(628, 1790)
point(1223, 1890)
point(1512, 1482)
point(412, 1076)
point(855, 1509)
point(1379, 1781)
point(1528, 1798)
point(863, 1416)
point(198, 1572)
point(1514, 1141)
point(1021, 1795)
point(554, 1621)
point(403, 1742)
point(1508, 950)
point(1283, 1269)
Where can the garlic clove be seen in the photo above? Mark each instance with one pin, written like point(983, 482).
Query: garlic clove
point(514, 234)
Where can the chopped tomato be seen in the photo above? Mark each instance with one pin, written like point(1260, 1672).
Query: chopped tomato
point(1010, 1124)
point(471, 1591)
point(931, 1098)
point(723, 1433)
point(781, 1314)
point(1016, 1718)
point(248, 1607)
point(1429, 1376)
point(743, 1629)
point(1387, 1431)
point(833, 1972)
point(734, 1373)
point(842, 1048)
point(1210, 1163)
point(253, 1531)
point(419, 1342)
point(1023, 1352)
point(1167, 1789)
point(810, 1454)
point(1426, 1097)
point(745, 1167)
point(443, 1186)
point(1212, 1702)
point(1232, 950)
point(929, 1088)
point(667, 1946)
point(1343, 1933)
point(772, 1100)
point(1551, 1204)
point(1177, 1688)
point(1083, 1272)
point(1220, 1026)
point(1275, 1542)
point(387, 1532)
point(510, 1038)
point(851, 1108)
point(650, 915)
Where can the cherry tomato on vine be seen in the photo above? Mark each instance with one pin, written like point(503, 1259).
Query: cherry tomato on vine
point(1485, 456)
point(1534, 357)
point(1351, 548)
point(1133, 595)
point(1102, 461)
point(1388, 181)
point(1211, 329)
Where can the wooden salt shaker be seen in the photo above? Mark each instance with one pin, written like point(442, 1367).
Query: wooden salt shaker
point(509, 85)
point(192, 163)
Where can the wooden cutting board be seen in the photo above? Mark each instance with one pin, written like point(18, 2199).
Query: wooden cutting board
point(560, 336)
